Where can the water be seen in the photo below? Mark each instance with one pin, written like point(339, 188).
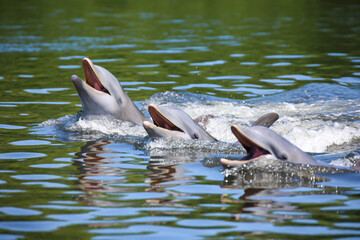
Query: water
point(105, 179)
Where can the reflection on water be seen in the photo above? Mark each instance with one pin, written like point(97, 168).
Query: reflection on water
point(95, 177)
point(236, 60)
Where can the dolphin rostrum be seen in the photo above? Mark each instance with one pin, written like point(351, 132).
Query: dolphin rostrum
point(262, 142)
point(175, 123)
point(102, 94)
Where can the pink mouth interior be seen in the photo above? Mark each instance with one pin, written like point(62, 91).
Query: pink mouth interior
point(91, 78)
point(254, 151)
point(161, 121)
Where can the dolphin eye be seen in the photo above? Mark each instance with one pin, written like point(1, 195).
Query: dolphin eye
point(118, 100)
point(196, 136)
point(283, 157)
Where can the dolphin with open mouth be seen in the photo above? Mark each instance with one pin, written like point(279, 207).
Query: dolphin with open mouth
point(262, 142)
point(171, 122)
point(102, 94)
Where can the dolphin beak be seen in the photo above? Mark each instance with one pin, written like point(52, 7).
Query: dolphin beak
point(160, 120)
point(91, 77)
point(159, 132)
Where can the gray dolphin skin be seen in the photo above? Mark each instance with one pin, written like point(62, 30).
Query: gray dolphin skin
point(102, 94)
point(262, 142)
point(171, 122)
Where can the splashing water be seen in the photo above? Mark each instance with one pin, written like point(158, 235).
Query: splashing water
point(314, 125)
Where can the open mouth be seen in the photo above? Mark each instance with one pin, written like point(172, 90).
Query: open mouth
point(160, 120)
point(253, 149)
point(91, 78)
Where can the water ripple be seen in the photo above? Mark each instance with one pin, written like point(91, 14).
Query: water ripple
point(233, 77)
point(8, 126)
point(45, 90)
point(198, 85)
point(31, 142)
point(15, 211)
point(286, 56)
point(47, 184)
point(35, 177)
point(69, 66)
point(208, 63)
point(21, 155)
point(165, 51)
point(300, 77)
point(248, 63)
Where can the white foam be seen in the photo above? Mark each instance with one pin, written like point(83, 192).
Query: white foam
point(103, 125)
point(344, 162)
point(320, 138)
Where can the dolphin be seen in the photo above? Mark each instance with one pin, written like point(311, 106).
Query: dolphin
point(102, 94)
point(174, 123)
point(262, 142)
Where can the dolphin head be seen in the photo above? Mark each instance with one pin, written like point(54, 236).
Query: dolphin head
point(175, 123)
point(262, 142)
point(102, 94)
